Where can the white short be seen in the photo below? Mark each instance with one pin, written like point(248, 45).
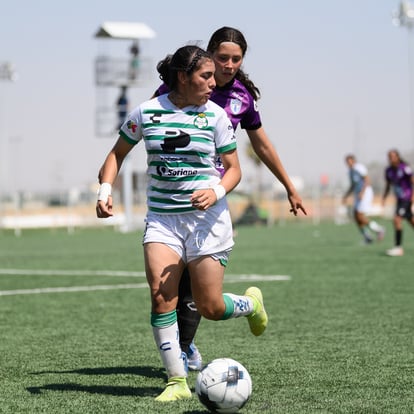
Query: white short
point(194, 234)
point(364, 205)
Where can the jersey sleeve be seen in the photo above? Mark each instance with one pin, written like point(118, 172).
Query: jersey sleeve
point(251, 118)
point(225, 137)
point(408, 171)
point(361, 169)
point(131, 128)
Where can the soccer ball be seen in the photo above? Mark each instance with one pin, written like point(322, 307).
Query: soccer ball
point(223, 385)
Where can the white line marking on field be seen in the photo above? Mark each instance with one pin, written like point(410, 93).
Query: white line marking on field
point(241, 278)
point(230, 278)
point(71, 289)
point(119, 273)
point(49, 272)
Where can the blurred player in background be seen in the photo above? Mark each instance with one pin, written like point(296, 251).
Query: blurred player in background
point(399, 175)
point(363, 193)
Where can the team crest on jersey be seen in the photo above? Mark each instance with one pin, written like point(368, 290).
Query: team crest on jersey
point(201, 121)
point(131, 125)
point(235, 106)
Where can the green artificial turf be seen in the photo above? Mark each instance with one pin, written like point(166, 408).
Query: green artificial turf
point(339, 340)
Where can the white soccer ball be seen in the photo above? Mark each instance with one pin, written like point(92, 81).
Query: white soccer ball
point(223, 386)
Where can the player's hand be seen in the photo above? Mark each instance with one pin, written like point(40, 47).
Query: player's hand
point(203, 199)
point(104, 210)
point(296, 204)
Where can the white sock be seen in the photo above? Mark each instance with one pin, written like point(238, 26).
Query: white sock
point(167, 340)
point(375, 227)
point(242, 305)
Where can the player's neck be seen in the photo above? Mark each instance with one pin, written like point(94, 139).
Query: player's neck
point(178, 100)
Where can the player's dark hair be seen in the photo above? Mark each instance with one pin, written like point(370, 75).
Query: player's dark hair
point(186, 59)
point(229, 34)
point(397, 153)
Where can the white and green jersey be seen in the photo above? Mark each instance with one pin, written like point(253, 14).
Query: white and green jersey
point(181, 146)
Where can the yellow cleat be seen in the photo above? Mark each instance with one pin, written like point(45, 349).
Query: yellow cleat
point(177, 389)
point(258, 318)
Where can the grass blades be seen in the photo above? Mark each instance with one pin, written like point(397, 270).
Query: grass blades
point(340, 335)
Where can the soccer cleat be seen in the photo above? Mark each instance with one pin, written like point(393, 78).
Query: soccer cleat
point(177, 389)
point(258, 318)
point(194, 360)
point(185, 361)
point(395, 251)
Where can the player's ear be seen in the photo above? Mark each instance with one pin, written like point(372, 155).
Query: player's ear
point(182, 77)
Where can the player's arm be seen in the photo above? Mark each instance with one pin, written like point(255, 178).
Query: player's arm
point(412, 185)
point(107, 175)
point(232, 175)
point(348, 192)
point(386, 191)
point(203, 199)
point(365, 184)
point(265, 150)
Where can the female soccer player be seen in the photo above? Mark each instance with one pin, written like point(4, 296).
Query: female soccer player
point(237, 94)
point(360, 186)
point(399, 175)
point(188, 221)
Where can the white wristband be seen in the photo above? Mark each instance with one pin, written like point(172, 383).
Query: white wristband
point(220, 191)
point(104, 192)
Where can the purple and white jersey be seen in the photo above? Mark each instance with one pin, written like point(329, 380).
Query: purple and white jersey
point(239, 105)
point(401, 180)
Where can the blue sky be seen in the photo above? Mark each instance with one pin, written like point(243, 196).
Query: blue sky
point(334, 78)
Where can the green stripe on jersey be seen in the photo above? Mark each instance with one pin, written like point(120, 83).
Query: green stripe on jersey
point(200, 139)
point(180, 178)
point(170, 191)
point(181, 152)
point(158, 111)
point(168, 201)
point(171, 111)
point(178, 125)
point(227, 148)
point(194, 138)
point(171, 210)
point(126, 138)
point(177, 164)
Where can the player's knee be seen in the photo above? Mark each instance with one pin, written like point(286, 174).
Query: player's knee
point(212, 311)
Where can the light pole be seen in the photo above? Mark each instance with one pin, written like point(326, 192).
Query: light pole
point(112, 72)
point(404, 17)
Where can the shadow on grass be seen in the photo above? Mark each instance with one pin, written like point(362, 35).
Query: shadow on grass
point(117, 391)
point(105, 390)
point(98, 389)
point(149, 372)
point(146, 371)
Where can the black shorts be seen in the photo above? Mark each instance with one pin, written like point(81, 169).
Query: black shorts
point(404, 209)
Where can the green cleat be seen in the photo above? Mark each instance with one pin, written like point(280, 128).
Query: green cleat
point(177, 389)
point(258, 318)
